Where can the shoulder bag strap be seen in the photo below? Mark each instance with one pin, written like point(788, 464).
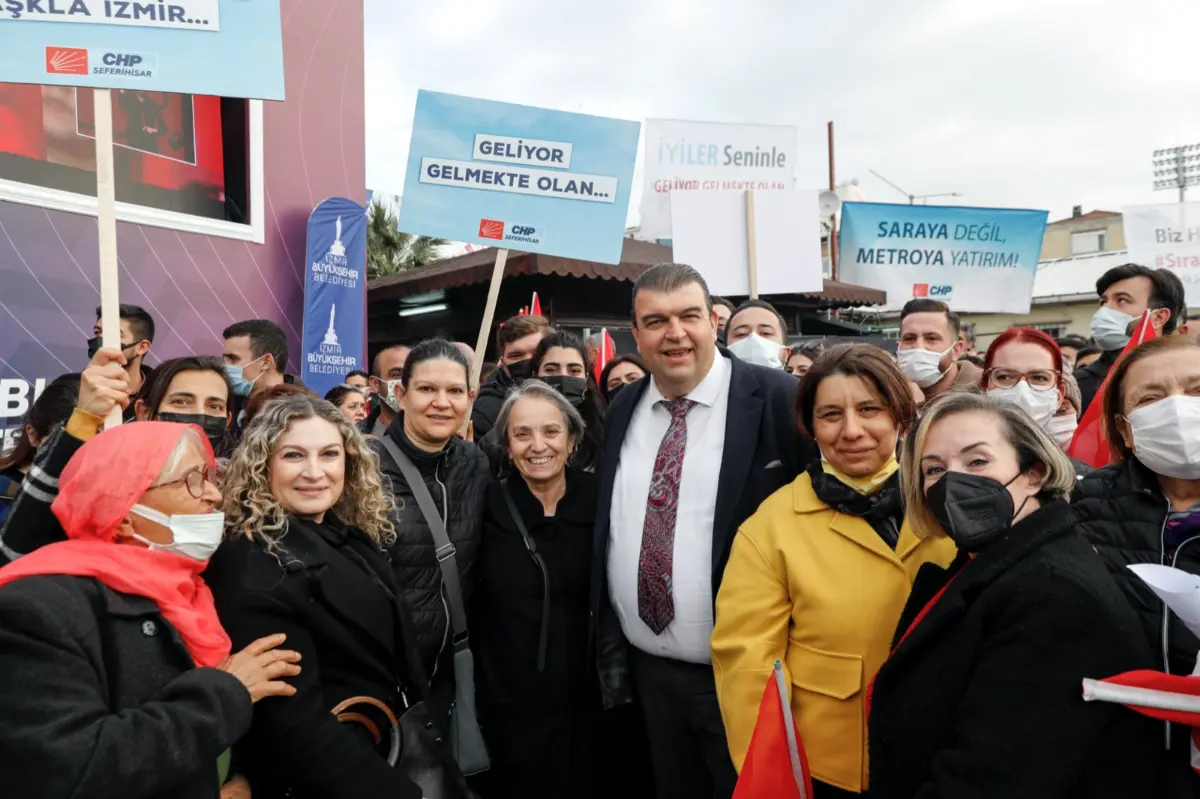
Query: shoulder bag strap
point(445, 549)
point(541, 564)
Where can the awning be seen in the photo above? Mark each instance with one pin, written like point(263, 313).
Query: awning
point(636, 257)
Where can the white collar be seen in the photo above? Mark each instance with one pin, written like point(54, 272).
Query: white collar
point(706, 392)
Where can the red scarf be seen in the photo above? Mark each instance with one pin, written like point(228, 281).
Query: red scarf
point(97, 491)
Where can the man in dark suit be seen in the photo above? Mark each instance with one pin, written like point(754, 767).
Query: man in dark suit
point(691, 451)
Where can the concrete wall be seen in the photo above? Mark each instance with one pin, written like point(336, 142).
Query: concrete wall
point(1057, 241)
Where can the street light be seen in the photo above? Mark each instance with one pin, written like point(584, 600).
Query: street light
point(912, 198)
point(1177, 168)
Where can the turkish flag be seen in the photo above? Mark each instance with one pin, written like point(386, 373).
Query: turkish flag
point(1090, 443)
point(775, 765)
point(1168, 697)
point(603, 354)
point(535, 307)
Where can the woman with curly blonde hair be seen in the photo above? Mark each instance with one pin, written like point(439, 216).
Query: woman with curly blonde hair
point(307, 527)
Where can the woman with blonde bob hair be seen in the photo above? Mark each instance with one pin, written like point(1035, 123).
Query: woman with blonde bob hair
point(308, 527)
point(981, 695)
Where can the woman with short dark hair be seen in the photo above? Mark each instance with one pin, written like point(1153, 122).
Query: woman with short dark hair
point(621, 371)
point(818, 576)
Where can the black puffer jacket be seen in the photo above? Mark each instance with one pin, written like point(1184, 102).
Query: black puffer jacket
point(491, 398)
point(457, 479)
point(1123, 513)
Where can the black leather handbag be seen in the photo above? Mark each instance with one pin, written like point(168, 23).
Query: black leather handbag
point(414, 744)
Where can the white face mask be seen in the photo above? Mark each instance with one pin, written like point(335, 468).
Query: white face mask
point(1062, 429)
point(1166, 436)
point(921, 366)
point(1040, 405)
point(389, 395)
point(757, 350)
point(1108, 328)
point(197, 535)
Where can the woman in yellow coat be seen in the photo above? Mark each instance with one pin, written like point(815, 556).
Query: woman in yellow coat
point(818, 576)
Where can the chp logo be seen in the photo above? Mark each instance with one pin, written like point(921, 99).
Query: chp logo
point(128, 65)
point(491, 229)
point(66, 61)
point(933, 292)
point(499, 231)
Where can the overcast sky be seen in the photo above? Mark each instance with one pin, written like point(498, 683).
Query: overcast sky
point(1014, 103)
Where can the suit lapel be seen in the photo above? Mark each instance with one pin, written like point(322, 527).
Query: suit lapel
point(742, 421)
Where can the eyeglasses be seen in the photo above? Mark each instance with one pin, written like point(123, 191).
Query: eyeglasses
point(194, 481)
point(1038, 379)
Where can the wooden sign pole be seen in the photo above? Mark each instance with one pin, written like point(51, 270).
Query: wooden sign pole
point(106, 223)
point(489, 311)
point(751, 245)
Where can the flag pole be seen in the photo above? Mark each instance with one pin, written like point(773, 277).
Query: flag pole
point(789, 727)
point(106, 225)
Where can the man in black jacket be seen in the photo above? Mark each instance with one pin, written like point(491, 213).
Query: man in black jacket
point(690, 453)
point(1125, 292)
point(516, 340)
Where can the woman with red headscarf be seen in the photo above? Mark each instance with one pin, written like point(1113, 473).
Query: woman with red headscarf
point(117, 674)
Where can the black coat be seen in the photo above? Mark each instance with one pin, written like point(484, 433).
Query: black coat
point(457, 479)
point(491, 397)
point(29, 523)
point(1123, 513)
point(1091, 377)
point(763, 452)
point(321, 588)
point(100, 699)
point(984, 698)
point(540, 725)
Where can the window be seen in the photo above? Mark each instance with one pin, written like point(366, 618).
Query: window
point(1089, 241)
point(1054, 330)
point(183, 162)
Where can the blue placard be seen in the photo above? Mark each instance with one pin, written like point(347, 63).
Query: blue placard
point(225, 48)
point(503, 175)
point(973, 259)
point(335, 294)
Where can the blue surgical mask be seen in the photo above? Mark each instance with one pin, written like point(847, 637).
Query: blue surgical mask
point(237, 377)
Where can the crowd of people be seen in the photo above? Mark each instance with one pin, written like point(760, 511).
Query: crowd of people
point(577, 582)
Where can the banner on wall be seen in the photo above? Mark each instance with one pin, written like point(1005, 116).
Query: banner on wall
point(710, 157)
point(518, 177)
point(335, 294)
point(225, 48)
point(980, 260)
point(1167, 236)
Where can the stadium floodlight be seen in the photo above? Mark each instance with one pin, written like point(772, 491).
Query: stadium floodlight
point(1177, 168)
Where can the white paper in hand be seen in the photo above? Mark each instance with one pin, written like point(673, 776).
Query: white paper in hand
point(1179, 589)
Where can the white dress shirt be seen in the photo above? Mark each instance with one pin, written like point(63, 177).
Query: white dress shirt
point(687, 636)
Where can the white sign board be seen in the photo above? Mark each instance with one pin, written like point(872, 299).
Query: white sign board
point(711, 235)
point(1167, 236)
point(710, 157)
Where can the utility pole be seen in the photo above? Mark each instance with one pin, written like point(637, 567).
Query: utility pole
point(833, 231)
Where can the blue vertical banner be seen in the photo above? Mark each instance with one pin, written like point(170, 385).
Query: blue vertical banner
point(335, 294)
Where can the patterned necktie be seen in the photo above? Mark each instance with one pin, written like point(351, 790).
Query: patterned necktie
point(656, 606)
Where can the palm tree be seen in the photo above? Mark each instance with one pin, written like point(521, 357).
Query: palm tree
point(389, 250)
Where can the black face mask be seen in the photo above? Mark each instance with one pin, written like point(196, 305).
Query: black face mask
point(520, 371)
point(573, 388)
point(95, 342)
point(973, 510)
point(615, 390)
point(213, 426)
